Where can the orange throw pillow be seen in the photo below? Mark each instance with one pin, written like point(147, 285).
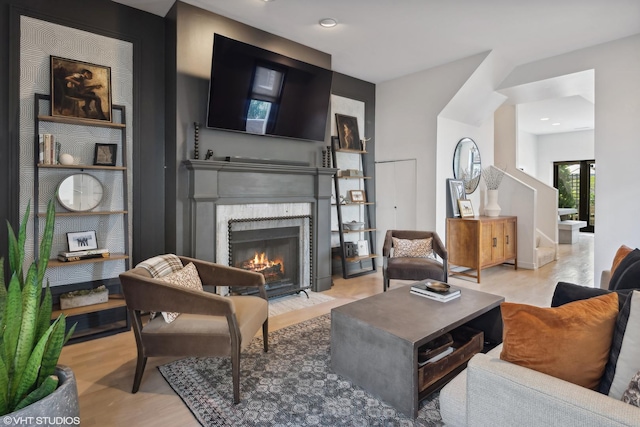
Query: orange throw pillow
point(570, 342)
point(622, 252)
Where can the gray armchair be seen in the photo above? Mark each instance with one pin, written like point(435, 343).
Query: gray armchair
point(210, 325)
point(409, 268)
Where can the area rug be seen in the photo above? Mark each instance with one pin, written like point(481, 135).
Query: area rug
point(291, 385)
point(298, 301)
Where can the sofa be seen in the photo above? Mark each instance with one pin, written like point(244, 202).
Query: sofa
point(492, 392)
point(495, 392)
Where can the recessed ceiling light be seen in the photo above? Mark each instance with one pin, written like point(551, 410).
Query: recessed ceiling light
point(555, 124)
point(544, 118)
point(267, 1)
point(328, 22)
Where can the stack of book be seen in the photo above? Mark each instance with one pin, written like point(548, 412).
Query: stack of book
point(49, 149)
point(435, 290)
point(80, 255)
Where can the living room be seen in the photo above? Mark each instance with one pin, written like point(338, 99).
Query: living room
point(168, 86)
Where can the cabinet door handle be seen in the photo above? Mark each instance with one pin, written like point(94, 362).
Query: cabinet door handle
point(507, 239)
point(495, 242)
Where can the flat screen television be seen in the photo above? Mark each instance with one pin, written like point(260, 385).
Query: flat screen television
point(261, 92)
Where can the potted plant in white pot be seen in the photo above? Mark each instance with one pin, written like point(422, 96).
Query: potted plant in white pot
point(31, 382)
point(492, 178)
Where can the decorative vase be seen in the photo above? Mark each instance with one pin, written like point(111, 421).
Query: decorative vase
point(492, 208)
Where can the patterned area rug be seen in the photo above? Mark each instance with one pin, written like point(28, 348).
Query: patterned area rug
point(291, 385)
point(292, 302)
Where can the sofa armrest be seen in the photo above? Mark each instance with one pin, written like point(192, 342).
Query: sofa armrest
point(500, 393)
point(605, 278)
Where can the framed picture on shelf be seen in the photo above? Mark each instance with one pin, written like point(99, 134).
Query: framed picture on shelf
point(456, 192)
point(363, 248)
point(466, 208)
point(357, 196)
point(82, 241)
point(80, 90)
point(105, 154)
point(348, 133)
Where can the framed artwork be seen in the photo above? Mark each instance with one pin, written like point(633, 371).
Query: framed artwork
point(80, 90)
point(82, 241)
point(466, 208)
point(456, 192)
point(105, 154)
point(357, 196)
point(363, 248)
point(348, 133)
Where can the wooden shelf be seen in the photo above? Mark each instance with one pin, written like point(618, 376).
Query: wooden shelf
point(354, 177)
point(354, 231)
point(115, 301)
point(44, 214)
point(344, 150)
point(353, 204)
point(114, 257)
point(362, 258)
point(75, 121)
point(116, 168)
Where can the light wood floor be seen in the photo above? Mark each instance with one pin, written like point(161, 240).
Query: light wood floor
point(104, 367)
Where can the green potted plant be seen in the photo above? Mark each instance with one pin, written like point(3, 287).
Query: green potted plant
point(31, 383)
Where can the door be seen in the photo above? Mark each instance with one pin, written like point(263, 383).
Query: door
point(395, 197)
point(576, 184)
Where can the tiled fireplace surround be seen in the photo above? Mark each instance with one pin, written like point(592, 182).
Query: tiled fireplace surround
point(220, 191)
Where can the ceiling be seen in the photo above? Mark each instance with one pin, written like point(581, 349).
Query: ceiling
point(380, 40)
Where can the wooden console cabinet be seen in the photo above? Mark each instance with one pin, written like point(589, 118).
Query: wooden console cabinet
point(481, 242)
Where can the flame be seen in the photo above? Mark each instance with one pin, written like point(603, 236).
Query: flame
point(261, 262)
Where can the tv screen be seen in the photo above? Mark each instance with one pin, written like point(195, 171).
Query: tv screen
point(257, 91)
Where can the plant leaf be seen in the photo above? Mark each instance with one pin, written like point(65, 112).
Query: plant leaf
point(3, 296)
point(30, 298)
point(13, 319)
point(72, 329)
point(47, 387)
point(4, 385)
point(22, 237)
point(52, 349)
point(45, 243)
point(44, 314)
point(26, 378)
point(14, 252)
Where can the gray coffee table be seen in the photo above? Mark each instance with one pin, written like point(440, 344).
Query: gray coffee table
point(374, 341)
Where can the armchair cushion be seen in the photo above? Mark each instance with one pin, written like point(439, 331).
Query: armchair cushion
point(414, 248)
point(186, 278)
point(415, 269)
point(570, 342)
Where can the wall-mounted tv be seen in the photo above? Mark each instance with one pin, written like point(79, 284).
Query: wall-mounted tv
point(257, 91)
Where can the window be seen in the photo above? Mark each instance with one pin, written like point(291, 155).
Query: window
point(264, 99)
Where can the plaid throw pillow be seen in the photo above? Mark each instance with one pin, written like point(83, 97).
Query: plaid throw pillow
point(161, 265)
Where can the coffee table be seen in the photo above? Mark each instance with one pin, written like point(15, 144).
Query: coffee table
point(375, 341)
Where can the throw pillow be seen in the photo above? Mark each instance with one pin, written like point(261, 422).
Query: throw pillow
point(413, 248)
point(569, 292)
point(627, 273)
point(624, 359)
point(632, 393)
point(570, 342)
point(161, 265)
point(187, 278)
point(621, 253)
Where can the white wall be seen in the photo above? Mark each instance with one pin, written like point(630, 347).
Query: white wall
point(527, 153)
point(560, 147)
point(617, 108)
point(406, 126)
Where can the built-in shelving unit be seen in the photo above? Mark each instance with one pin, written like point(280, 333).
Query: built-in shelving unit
point(99, 319)
point(355, 264)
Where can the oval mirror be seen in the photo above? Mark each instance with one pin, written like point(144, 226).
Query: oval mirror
point(467, 165)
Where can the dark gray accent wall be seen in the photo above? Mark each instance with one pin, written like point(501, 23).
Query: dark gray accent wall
point(146, 32)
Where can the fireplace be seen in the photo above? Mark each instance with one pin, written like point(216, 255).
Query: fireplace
point(274, 247)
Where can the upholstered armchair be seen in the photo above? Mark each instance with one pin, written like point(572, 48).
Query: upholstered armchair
point(411, 260)
point(208, 324)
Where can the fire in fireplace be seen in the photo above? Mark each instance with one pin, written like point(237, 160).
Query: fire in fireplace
point(274, 252)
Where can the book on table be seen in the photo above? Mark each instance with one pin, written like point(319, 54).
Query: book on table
point(435, 298)
point(435, 289)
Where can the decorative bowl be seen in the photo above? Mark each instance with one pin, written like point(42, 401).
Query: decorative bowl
point(353, 225)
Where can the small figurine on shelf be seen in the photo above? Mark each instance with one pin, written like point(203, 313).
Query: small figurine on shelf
point(363, 143)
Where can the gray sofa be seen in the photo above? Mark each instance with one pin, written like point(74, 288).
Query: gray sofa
point(492, 392)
